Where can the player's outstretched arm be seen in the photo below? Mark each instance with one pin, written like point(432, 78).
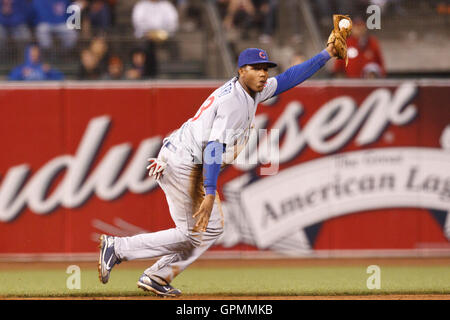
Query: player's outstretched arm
point(300, 72)
point(331, 50)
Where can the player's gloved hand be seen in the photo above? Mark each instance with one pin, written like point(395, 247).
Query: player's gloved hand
point(203, 213)
point(156, 168)
point(339, 34)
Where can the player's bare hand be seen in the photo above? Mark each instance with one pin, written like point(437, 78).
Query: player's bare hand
point(203, 213)
point(156, 167)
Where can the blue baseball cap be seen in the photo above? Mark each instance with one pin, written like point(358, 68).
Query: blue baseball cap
point(254, 56)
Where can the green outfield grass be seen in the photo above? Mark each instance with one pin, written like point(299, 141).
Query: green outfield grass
point(270, 281)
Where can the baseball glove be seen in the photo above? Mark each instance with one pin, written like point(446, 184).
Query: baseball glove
point(339, 34)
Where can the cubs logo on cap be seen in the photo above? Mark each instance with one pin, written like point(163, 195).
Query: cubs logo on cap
point(254, 56)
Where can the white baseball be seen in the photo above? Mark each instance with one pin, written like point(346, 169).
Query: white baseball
point(344, 24)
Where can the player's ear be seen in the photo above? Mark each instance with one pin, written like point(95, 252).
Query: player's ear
point(241, 71)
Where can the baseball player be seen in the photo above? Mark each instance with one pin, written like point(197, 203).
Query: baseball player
point(188, 166)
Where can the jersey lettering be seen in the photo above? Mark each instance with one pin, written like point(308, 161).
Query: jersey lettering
point(206, 105)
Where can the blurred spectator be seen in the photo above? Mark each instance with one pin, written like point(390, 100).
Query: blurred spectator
point(372, 70)
point(50, 17)
point(142, 67)
point(33, 69)
point(163, 23)
point(247, 14)
point(94, 60)
point(364, 54)
point(293, 16)
point(190, 14)
point(13, 20)
point(96, 17)
point(100, 49)
point(115, 69)
point(156, 33)
point(100, 16)
point(265, 18)
point(237, 13)
point(89, 68)
point(443, 8)
point(112, 10)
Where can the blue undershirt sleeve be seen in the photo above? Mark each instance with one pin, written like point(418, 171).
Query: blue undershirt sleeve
point(212, 160)
point(300, 72)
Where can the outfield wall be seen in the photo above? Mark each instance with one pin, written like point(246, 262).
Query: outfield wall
point(362, 168)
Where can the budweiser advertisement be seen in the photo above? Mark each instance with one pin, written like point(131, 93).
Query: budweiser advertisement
point(359, 167)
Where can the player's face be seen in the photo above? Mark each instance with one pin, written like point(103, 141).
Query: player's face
point(254, 77)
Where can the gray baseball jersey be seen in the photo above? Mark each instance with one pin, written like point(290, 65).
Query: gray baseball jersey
point(226, 116)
